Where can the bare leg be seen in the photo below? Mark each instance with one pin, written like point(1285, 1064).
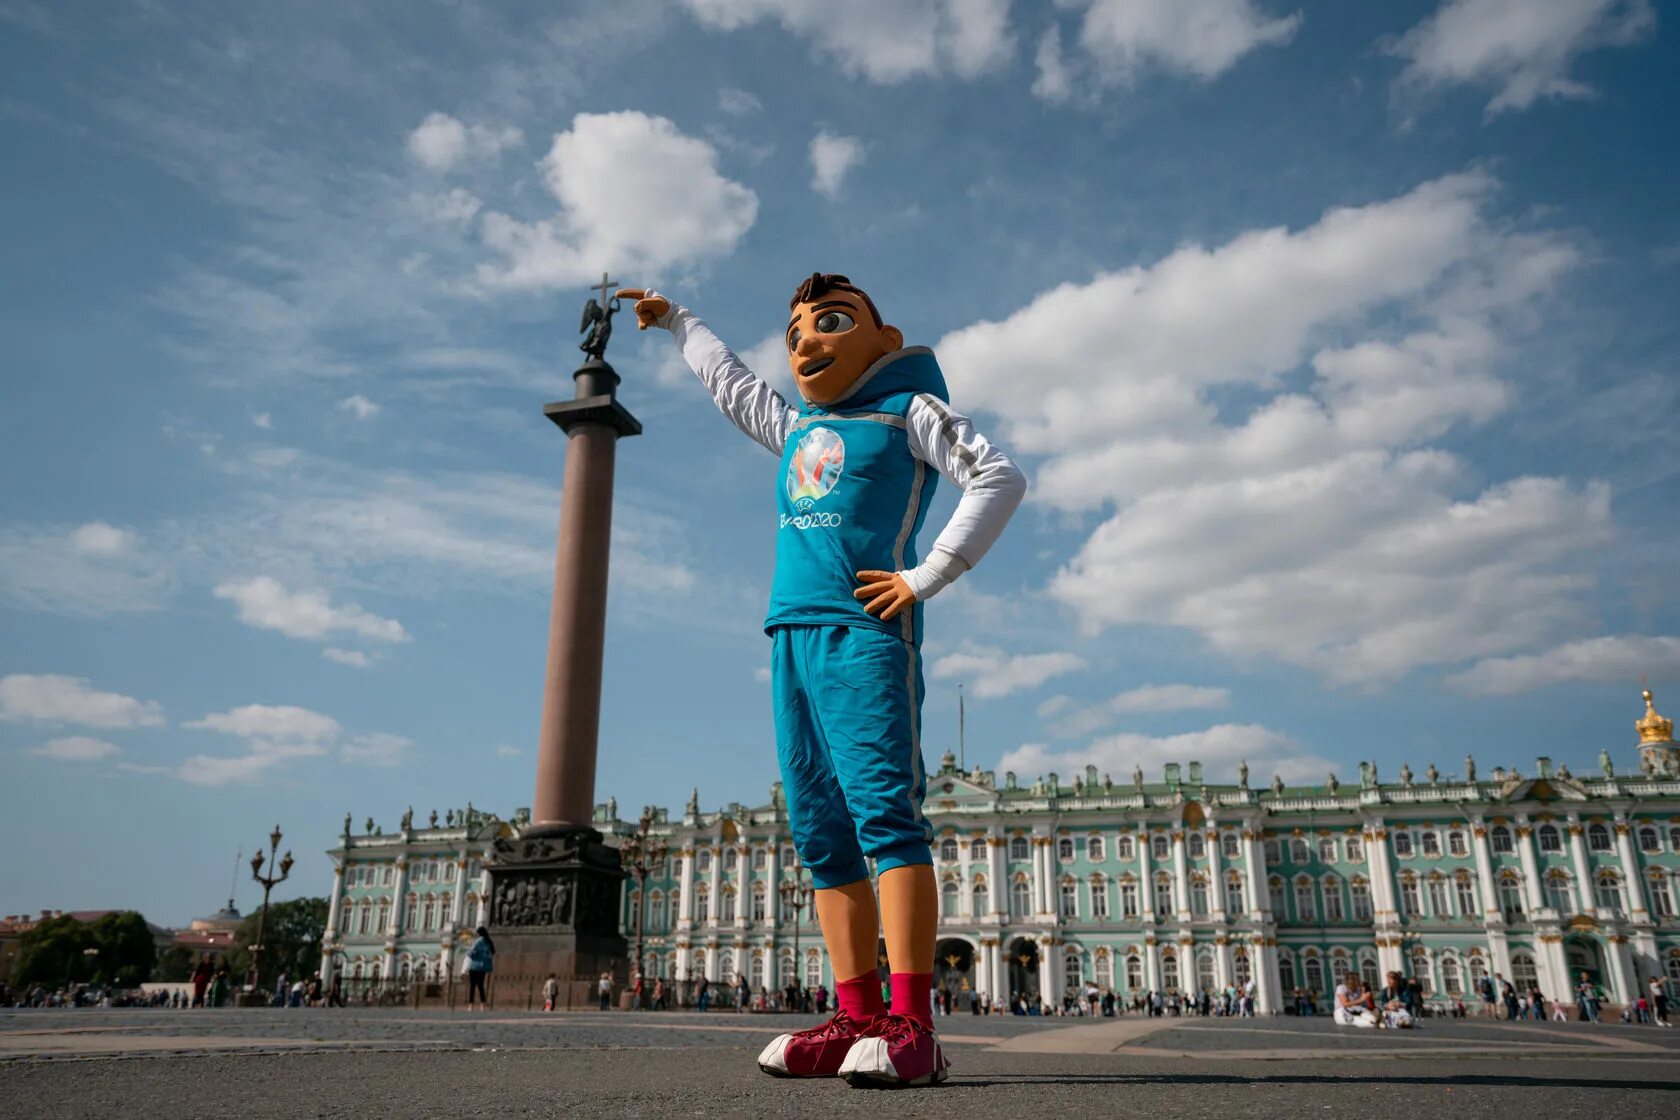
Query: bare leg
point(851, 927)
point(910, 917)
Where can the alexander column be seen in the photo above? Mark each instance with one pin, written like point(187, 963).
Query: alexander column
point(554, 896)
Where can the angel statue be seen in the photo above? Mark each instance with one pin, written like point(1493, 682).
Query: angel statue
point(598, 322)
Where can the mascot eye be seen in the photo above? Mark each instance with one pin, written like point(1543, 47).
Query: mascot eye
point(833, 322)
point(793, 340)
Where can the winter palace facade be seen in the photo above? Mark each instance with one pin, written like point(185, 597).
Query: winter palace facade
point(1175, 884)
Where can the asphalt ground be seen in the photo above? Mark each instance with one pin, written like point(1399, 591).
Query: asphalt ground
point(371, 1064)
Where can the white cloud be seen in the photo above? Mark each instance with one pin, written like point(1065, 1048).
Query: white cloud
point(264, 603)
point(1524, 47)
point(633, 191)
point(456, 206)
point(504, 750)
point(762, 674)
point(77, 748)
point(360, 405)
point(831, 158)
point(1119, 39)
point(992, 673)
point(882, 40)
point(99, 539)
point(441, 141)
point(58, 699)
point(738, 102)
point(282, 723)
point(1320, 527)
point(378, 748)
point(1146, 698)
point(1220, 749)
point(352, 657)
point(1613, 657)
point(263, 420)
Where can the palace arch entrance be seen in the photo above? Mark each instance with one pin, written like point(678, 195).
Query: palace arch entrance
point(1023, 969)
point(953, 966)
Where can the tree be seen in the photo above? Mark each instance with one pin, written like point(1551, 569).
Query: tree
point(55, 952)
point(291, 939)
point(175, 964)
point(127, 952)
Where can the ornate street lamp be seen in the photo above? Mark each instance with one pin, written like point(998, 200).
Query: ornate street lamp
point(640, 853)
point(796, 895)
point(268, 882)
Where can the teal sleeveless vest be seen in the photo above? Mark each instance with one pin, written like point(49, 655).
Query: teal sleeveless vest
point(850, 497)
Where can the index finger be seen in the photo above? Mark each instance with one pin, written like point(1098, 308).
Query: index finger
point(871, 575)
point(630, 293)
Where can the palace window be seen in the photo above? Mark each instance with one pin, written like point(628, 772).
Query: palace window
point(1649, 839)
point(1549, 838)
point(731, 859)
point(1064, 850)
point(428, 916)
point(433, 870)
point(755, 971)
point(1240, 968)
point(948, 899)
point(1134, 971)
point(1409, 903)
point(1169, 972)
point(726, 912)
point(1339, 966)
point(1327, 849)
point(1099, 898)
point(1451, 979)
point(1355, 849)
point(1163, 896)
point(1360, 891)
point(1500, 837)
point(1674, 966)
point(1306, 901)
point(1558, 895)
point(656, 910)
point(390, 874)
point(1273, 852)
point(1234, 894)
point(813, 969)
point(1314, 969)
point(726, 967)
point(1205, 979)
point(1125, 848)
point(1299, 853)
point(1466, 894)
point(1274, 893)
point(1421, 969)
point(1368, 973)
point(1598, 838)
point(1662, 899)
point(976, 849)
point(1609, 892)
point(760, 858)
point(365, 915)
point(633, 909)
point(1199, 897)
point(1524, 976)
point(1438, 904)
point(948, 850)
point(1332, 899)
point(384, 914)
point(1128, 900)
point(1073, 976)
point(702, 903)
point(981, 896)
point(1094, 849)
point(758, 900)
point(1402, 843)
point(1160, 846)
point(1020, 898)
point(1477, 970)
point(703, 862)
point(1430, 844)
point(1456, 844)
point(1674, 838)
point(1019, 849)
point(1286, 973)
point(1510, 897)
point(1230, 845)
point(1197, 845)
point(790, 858)
point(448, 877)
point(1104, 969)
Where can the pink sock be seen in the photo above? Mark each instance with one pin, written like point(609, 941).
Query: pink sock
point(860, 997)
point(912, 996)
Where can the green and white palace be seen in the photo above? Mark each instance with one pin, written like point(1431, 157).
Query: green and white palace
point(1177, 884)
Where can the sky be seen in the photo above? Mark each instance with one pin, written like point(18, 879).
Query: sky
point(1337, 343)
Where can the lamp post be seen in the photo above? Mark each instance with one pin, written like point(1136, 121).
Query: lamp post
point(796, 895)
point(268, 882)
point(639, 853)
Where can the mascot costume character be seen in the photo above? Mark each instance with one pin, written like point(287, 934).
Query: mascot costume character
point(860, 456)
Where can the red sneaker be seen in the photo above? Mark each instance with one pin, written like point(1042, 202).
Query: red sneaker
point(816, 1052)
point(895, 1052)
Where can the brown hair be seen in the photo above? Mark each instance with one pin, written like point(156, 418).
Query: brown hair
point(819, 284)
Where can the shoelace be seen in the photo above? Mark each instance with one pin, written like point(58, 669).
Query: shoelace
point(839, 1024)
point(900, 1029)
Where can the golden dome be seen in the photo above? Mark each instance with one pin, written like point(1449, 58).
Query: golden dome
point(1654, 728)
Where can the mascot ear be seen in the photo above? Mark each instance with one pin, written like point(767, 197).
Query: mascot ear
point(894, 338)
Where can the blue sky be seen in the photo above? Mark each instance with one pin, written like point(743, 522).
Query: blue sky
point(1337, 342)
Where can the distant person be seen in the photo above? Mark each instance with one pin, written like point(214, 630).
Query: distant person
point(702, 993)
point(551, 992)
point(603, 987)
point(1659, 1001)
point(200, 981)
point(1354, 1005)
point(1586, 998)
point(481, 962)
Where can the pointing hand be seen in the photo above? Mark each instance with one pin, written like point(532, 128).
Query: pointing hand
point(650, 306)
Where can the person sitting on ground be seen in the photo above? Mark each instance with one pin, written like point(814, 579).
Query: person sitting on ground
point(1354, 1006)
point(1393, 1001)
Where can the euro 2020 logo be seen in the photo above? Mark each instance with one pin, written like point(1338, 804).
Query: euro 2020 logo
point(815, 467)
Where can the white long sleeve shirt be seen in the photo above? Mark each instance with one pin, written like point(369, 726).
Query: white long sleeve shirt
point(992, 485)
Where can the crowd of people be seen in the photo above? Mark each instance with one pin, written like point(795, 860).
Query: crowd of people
point(1400, 1003)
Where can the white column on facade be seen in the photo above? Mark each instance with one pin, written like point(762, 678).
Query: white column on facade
point(1181, 875)
point(743, 885)
point(1041, 875)
point(1583, 868)
point(1560, 985)
point(714, 907)
point(685, 890)
point(1621, 968)
point(1222, 963)
point(1146, 888)
point(1216, 882)
point(1532, 899)
point(458, 902)
point(1264, 961)
point(1254, 853)
point(1049, 971)
point(772, 895)
point(1152, 963)
point(1382, 876)
point(399, 900)
point(336, 901)
point(1484, 870)
point(997, 892)
point(1635, 887)
point(685, 961)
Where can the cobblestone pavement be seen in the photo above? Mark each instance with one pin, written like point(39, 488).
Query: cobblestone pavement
point(300, 1063)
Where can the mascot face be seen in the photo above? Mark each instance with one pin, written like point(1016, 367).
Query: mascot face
point(831, 340)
